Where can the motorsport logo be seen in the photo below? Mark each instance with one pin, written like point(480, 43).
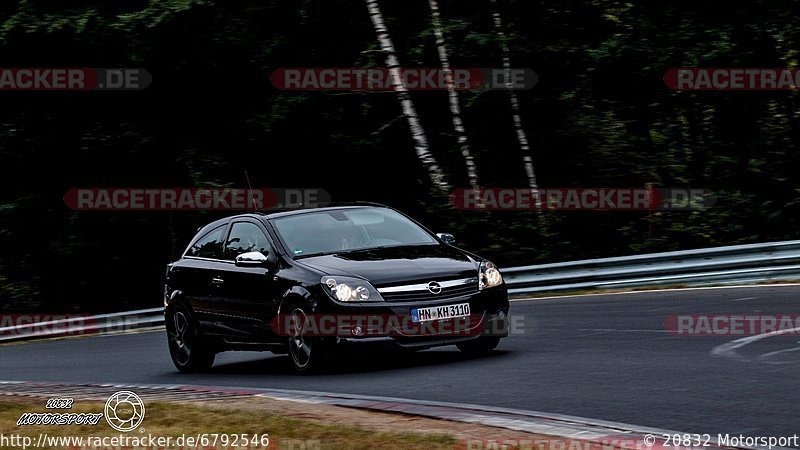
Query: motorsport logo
point(124, 411)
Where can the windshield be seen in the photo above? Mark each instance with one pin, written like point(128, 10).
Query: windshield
point(348, 230)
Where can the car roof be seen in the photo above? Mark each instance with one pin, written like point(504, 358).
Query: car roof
point(275, 215)
point(294, 212)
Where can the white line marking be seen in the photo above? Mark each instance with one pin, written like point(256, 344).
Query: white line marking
point(729, 349)
point(743, 299)
point(779, 352)
point(622, 331)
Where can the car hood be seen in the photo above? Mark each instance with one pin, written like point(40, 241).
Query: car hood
point(386, 266)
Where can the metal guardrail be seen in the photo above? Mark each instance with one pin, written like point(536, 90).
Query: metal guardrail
point(719, 265)
point(84, 325)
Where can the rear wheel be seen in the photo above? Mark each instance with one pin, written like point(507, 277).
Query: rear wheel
point(188, 353)
point(478, 347)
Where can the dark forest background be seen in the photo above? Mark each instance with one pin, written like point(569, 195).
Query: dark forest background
point(599, 117)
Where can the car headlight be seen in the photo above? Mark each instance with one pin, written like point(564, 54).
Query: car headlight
point(349, 289)
point(489, 276)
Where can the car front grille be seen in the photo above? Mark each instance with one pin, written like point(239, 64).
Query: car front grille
point(417, 292)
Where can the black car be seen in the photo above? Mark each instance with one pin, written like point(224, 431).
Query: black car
point(314, 282)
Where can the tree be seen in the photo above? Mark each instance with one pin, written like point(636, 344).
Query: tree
point(522, 137)
point(455, 104)
point(409, 111)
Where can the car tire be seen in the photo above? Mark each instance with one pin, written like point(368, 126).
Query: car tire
point(479, 347)
point(188, 352)
point(307, 354)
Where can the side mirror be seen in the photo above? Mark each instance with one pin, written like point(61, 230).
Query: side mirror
point(447, 238)
point(252, 259)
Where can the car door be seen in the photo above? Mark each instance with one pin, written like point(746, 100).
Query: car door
point(193, 275)
point(247, 297)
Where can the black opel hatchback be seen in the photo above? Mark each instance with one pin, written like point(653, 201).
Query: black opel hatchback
point(313, 283)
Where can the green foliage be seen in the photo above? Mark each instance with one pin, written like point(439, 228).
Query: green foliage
point(600, 116)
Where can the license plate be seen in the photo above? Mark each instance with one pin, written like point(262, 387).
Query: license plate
point(439, 312)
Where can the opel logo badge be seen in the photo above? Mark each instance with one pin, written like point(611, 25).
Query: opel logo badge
point(434, 287)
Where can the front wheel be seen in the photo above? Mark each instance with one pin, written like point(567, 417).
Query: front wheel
point(187, 352)
point(306, 352)
point(479, 347)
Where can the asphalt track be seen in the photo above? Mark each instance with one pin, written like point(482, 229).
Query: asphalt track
point(603, 357)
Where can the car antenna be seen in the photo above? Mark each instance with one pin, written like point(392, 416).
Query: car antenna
point(250, 192)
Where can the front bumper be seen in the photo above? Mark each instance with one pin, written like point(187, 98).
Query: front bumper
point(489, 309)
point(495, 325)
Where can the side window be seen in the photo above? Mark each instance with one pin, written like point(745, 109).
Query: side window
point(208, 246)
point(245, 237)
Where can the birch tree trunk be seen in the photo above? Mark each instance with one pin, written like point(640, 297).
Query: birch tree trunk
point(522, 137)
point(455, 104)
point(409, 111)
